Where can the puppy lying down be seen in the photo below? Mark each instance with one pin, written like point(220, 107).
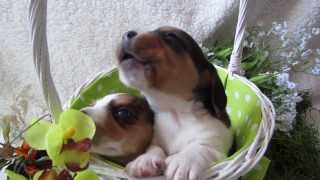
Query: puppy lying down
point(124, 126)
point(191, 129)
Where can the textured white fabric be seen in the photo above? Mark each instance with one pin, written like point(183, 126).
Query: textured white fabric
point(83, 35)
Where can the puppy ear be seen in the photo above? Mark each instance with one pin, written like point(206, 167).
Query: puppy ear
point(211, 92)
point(218, 95)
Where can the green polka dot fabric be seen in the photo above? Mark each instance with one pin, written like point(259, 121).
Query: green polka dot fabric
point(243, 108)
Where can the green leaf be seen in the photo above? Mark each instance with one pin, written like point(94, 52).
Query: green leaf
point(83, 124)
point(248, 65)
point(36, 135)
point(37, 175)
point(14, 176)
point(224, 53)
point(85, 175)
point(261, 78)
point(54, 143)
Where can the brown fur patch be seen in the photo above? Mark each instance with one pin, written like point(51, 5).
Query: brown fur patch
point(174, 64)
point(136, 136)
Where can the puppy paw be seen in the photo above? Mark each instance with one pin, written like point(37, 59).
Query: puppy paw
point(184, 166)
point(146, 165)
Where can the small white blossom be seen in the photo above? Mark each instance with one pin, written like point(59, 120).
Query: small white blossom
point(210, 54)
point(291, 85)
point(261, 34)
point(315, 31)
point(260, 23)
point(306, 54)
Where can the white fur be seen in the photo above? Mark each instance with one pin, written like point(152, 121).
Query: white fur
point(185, 133)
point(188, 135)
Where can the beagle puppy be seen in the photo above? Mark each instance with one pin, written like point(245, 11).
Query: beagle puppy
point(124, 126)
point(191, 129)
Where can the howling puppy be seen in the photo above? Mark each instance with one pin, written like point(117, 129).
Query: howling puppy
point(124, 126)
point(191, 128)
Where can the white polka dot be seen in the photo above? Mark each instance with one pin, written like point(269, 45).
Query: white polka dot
point(239, 114)
point(247, 98)
point(237, 95)
point(254, 127)
point(99, 88)
point(229, 110)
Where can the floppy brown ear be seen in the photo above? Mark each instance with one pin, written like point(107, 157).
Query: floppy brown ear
point(211, 92)
point(218, 97)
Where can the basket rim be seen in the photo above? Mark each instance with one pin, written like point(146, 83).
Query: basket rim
point(242, 163)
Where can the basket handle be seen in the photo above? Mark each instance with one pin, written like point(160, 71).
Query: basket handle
point(38, 21)
point(235, 59)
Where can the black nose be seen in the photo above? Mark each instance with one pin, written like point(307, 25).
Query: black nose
point(130, 34)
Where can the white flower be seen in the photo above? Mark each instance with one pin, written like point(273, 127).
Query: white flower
point(315, 70)
point(282, 79)
point(302, 44)
point(315, 31)
point(306, 54)
point(260, 23)
point(261, 34)
point(291, 85)
point(210, 54)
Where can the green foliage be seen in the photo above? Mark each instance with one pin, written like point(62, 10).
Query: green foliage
point(294, 155)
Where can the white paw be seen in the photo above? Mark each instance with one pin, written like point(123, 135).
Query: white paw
point(146, 165)
point(184, 166)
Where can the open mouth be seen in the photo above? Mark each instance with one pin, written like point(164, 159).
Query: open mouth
point(125, 56)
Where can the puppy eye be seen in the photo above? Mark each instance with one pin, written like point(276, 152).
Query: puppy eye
point(170, 35)
point(124, 116)
point(173, 41)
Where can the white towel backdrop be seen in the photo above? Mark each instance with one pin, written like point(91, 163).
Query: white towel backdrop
point(83, 35)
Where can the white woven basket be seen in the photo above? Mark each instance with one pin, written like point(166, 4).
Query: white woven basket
point(226, 170)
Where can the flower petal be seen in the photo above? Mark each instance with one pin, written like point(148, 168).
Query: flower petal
point(83, 124)
point(76, 160)
point(64, 175)
point(15, 176)
point(81, 146)
point(87, 174)
point(54, 143)
point(35, 136)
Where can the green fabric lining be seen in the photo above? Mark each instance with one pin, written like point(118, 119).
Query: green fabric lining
point(243, 107)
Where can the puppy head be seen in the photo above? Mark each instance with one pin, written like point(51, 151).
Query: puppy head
point(170, 61)
point(124, 126)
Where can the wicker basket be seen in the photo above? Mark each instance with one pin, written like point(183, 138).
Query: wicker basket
point(248, 162)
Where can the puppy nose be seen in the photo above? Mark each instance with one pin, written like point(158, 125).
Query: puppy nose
point(130, 34)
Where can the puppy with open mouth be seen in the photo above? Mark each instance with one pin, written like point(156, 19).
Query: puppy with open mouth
point(191, 129)
point(124, 126)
